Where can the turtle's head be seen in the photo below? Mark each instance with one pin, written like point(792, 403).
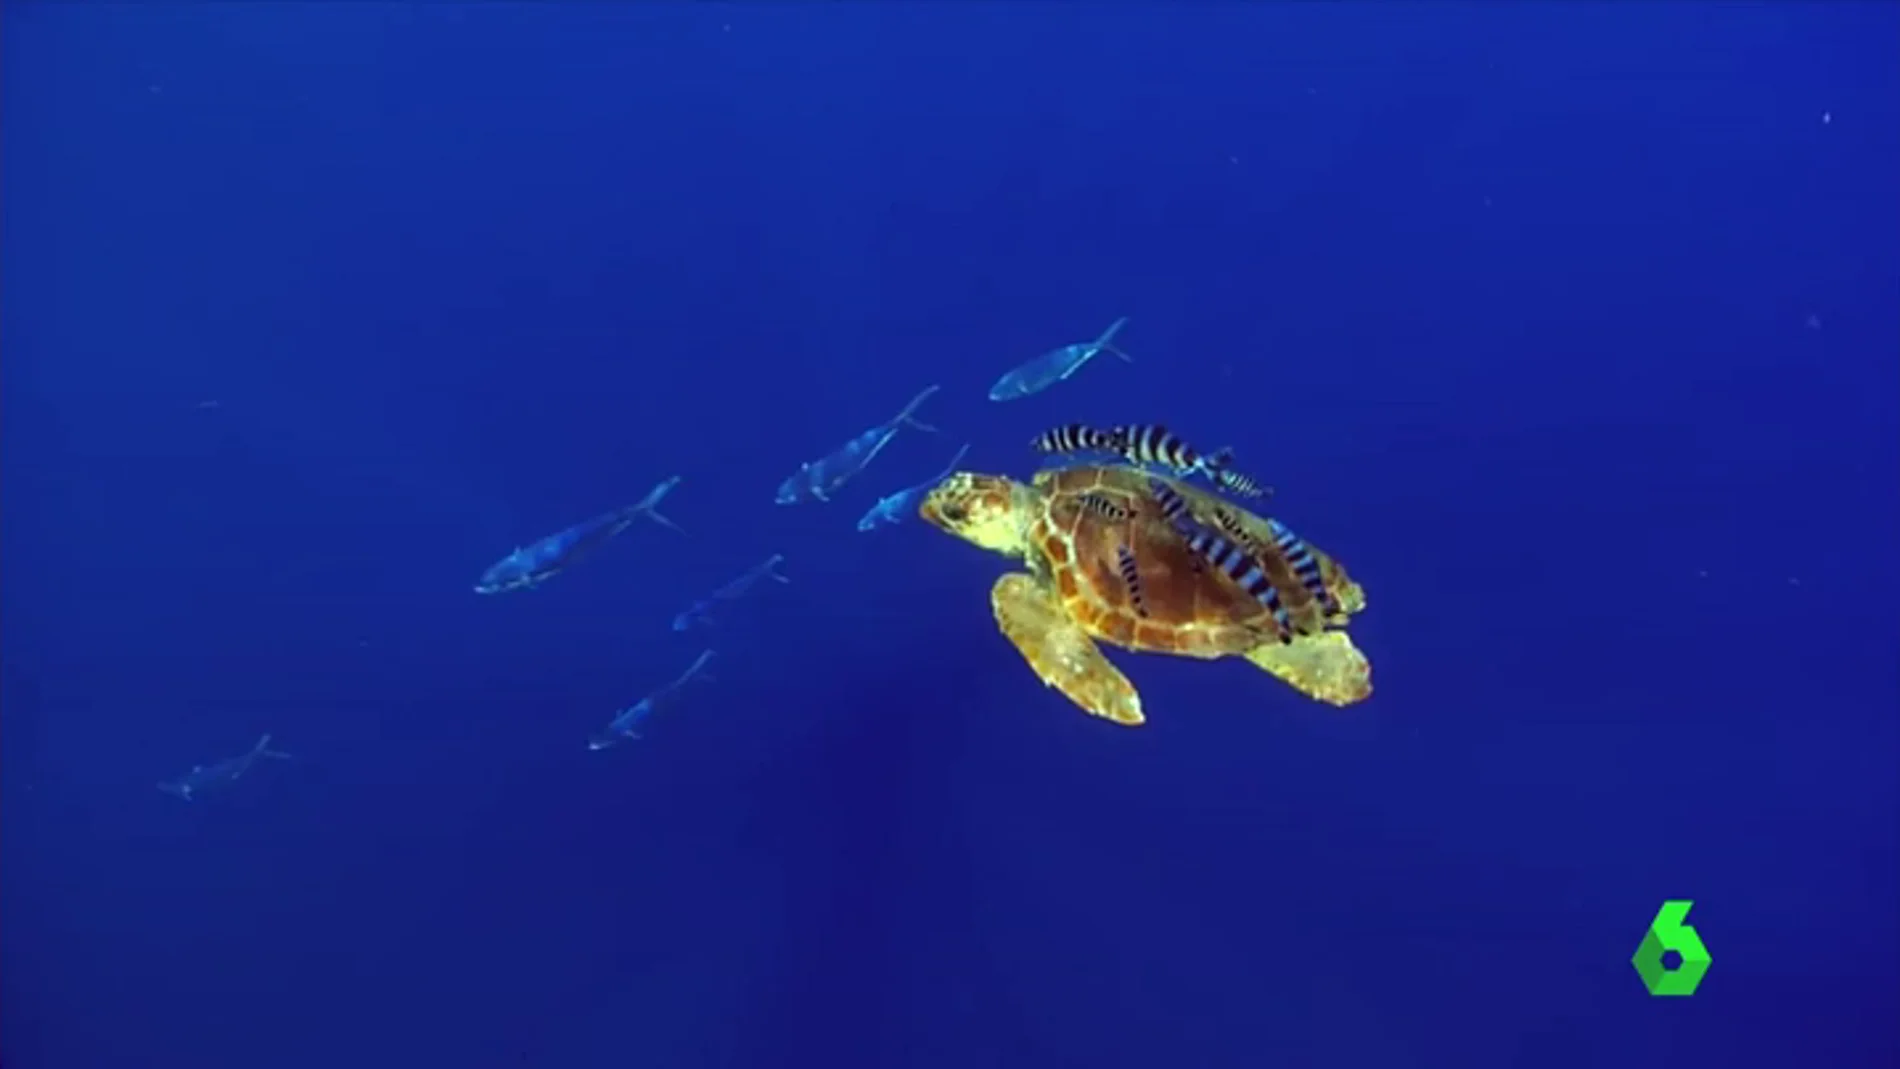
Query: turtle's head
point(978, 508)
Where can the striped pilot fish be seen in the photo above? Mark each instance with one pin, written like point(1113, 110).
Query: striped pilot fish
point(1151, 443)
point(1073, 438)
point(1294, 569)
point(1232, 556)
point(1299, 556)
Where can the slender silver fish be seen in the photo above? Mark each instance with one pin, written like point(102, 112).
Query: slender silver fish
point(531, 565)
point(819, 479)
point(902, 504)
point(621, 728)
point(701, 612)
point(204, 778)
point(1055, 365)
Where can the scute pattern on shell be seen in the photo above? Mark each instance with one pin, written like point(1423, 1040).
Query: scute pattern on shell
point(1192, 610)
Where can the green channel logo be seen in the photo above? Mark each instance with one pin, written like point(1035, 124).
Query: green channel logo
point(1667, 933)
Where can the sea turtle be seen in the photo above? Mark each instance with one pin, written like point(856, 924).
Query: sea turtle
point(1105, 563)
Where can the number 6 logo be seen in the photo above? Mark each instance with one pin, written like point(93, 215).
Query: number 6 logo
point(1666, 933)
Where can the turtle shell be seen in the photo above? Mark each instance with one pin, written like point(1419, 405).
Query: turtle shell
point(1126, 577)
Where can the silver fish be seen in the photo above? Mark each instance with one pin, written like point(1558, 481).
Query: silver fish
point(626, 720)
point(701, 612)
point(819, 479)
point(902, 504)
point(531, 565)
point(204, 778)
point(1055, 365)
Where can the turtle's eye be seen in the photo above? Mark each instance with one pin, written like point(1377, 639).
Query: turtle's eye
point(955, 513)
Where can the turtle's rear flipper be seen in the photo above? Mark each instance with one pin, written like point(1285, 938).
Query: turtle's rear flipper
point(1326, 667)
point(1062, 655)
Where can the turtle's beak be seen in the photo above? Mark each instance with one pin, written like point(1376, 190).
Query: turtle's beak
point(939, 513)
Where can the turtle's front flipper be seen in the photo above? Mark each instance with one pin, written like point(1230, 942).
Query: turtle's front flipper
point(1062, 655)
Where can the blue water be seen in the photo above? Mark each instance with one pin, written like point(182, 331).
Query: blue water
point(1569, 329)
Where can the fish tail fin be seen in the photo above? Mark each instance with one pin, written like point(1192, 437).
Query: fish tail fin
point(771, 568)
point(654, 515)
point(698, 670)
point(262, 749)
point(908, 415)
point(659, 492)
point(650, 504)
point(1117, 350)
point(950, 468)
point(1101, 342)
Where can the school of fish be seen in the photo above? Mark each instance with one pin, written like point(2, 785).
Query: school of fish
point(1149, 446)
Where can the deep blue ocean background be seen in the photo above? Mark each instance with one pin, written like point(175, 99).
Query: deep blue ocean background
point(1572, 330)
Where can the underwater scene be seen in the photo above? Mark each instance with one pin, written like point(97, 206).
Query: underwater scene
point(920, 534)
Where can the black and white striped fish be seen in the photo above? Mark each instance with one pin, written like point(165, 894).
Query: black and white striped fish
point(1106, 509)
point(1151, 443)
point(1306, 613)
point(1131, 578)
point(1076, 438)
point(1300, 557)
point(1238, 482)
point(1154, 444)
point(1222, 553)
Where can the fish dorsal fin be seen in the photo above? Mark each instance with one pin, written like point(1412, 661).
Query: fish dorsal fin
point(950, 468)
